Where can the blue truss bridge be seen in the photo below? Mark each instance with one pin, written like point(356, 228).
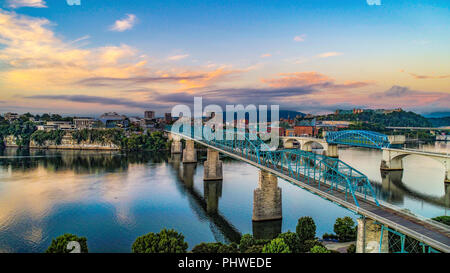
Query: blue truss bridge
point(328, 177)
point(359, 138)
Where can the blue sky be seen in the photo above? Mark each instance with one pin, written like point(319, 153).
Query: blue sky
point(333, 53)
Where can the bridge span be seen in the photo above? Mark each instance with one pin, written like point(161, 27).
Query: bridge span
point(327, 177)
point(393, 159)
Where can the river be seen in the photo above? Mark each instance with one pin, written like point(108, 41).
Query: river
point(112, 198)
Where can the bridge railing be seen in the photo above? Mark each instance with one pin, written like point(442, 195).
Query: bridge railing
point(300, 165)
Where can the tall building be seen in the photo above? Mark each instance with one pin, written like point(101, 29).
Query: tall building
point(149, 114)
point(168, 117)
point(83, 123)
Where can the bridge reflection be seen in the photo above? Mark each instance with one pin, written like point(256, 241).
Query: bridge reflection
point(394, 190)
point(206, 207)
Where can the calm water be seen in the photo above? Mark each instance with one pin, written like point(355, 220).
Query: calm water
point(112, 198)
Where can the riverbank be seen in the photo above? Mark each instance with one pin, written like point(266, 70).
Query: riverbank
point(110, 140)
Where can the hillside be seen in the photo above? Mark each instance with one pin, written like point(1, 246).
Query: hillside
point(403, 118)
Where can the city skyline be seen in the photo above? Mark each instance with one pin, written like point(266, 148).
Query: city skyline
point(303, 55)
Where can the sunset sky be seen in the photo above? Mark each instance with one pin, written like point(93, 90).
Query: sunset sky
point(312, 56)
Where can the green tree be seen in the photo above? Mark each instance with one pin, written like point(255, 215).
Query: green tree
point(230, 248)
point(246, 242)
point(443, 219)
point(306, 229)
point(277, 245)
point(345, 229)
point(351, 248)
point(59, 245)
point(216, 247)
point(292, 240)
point(254, 249)
point(166, 241)
point(249, 244)
point(319, 249)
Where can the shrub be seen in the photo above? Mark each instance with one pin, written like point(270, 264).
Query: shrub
point(166, 241)
point(249, 244)
point(308, 244)
point(231, 248)
point(345, 229)
point(206, 248)
point(443, 219)
point(277, 245)
point(292, 240)
point(306, 229)
point(319, 249)
point(254, 249)
point(59, 245)
point(246, 242)
point(351, 248)
point(215, 248)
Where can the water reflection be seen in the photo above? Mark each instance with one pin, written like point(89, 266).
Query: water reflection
point(419, 188)
point(205, 207)
point(112, 198)
point(266, 229)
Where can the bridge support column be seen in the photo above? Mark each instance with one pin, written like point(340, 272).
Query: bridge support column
point(332, 150)
point(447, 172)
point(391, 163)
point(368, 237)
point(176, 147)
point(212, 166)
point(307, 147)
point(212, 191)
point(267, 198)
point(189, 153)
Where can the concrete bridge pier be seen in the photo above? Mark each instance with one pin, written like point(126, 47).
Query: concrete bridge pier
point(177, 146)
point(267, 198)
point(307, 148)
point(391, 162)
point(189, 152)
point(212, 166)
point(447, 173)
point(212, 191)
point(368, 237)
point(332, 150)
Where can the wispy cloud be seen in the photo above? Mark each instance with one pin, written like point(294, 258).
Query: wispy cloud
point(405, 97)
point(313, 80)
point(93, 99)
point(124, 24)
point(329, 54)
point(266, 55)
point(133, 81)
point(300, 38)
point(26, 3)
point(427, 77)
point(178, 57)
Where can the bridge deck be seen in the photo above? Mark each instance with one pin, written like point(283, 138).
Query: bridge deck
point(433, 235)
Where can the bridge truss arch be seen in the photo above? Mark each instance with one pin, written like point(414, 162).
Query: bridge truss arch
point(359, 138)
